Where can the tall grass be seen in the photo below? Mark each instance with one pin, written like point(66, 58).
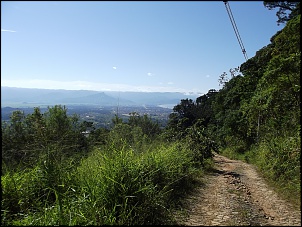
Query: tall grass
point(25, 193)
point(112, 186)
point(278, 160)
point(128, 187)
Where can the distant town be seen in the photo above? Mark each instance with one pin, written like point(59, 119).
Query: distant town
point(93, 106)
point(102, 116)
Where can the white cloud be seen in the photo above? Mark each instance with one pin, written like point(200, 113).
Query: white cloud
point(149, 74)
point(114, 67)
point(5, 30)
point(207, 76)
point(170, 83)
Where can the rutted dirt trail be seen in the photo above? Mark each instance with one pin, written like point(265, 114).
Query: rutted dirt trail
point(235, 194)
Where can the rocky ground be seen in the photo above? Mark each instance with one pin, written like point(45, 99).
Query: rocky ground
point(235, 195)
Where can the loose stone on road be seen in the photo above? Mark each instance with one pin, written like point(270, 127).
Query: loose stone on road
point(235, 195)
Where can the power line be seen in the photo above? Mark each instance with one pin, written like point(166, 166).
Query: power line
point(228, 8)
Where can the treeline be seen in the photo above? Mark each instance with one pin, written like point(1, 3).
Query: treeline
point(256, 114)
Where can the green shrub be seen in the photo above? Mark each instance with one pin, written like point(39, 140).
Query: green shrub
point(122, 182)
point(127, 187)
point(279, 161)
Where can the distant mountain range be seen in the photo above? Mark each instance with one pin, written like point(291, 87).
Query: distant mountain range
point(29, 97)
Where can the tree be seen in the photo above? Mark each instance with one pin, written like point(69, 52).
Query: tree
point(287, 10)
point(183, 116)
point(99, 136)
point(204, 108)
point(188, 112)
point(229, 119)
point(26, 138)
point(145, 122)
point(35, 125)
point(276, 100)
point(14, 138)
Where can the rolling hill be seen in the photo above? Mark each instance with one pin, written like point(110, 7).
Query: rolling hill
point(27, 97)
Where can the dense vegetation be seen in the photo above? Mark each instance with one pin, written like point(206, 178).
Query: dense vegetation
point(256, 114)
point(136, 172)
point(52, 174)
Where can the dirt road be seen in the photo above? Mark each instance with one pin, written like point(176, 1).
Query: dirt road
point(236, 195)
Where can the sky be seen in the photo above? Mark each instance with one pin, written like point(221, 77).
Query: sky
point(153, 46)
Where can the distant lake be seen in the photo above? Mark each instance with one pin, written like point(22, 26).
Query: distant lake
point(169, 106)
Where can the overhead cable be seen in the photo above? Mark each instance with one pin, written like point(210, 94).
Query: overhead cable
point(228, 8)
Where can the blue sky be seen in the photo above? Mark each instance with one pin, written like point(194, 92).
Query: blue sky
point(128, 45)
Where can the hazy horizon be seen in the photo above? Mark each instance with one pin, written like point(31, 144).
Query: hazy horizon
point(144, 91)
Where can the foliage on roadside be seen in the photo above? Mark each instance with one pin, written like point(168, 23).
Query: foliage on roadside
point(125, 176)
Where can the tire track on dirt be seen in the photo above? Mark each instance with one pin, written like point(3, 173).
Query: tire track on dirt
point(235, 194)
